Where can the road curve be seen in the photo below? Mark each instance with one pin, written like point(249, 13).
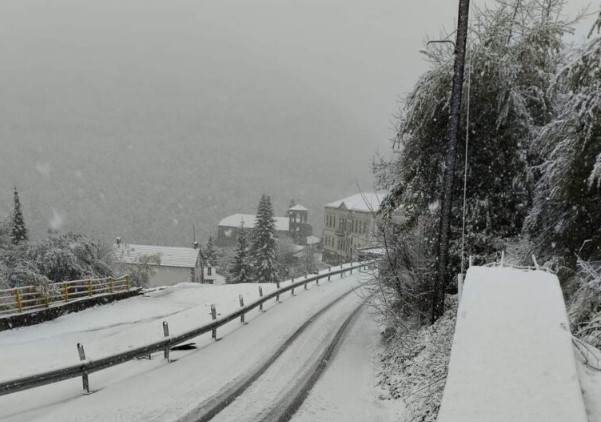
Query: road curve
point(281, 389)
point(210, 407)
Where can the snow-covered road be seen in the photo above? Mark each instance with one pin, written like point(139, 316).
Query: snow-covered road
point(347, 389)
point(156, 390)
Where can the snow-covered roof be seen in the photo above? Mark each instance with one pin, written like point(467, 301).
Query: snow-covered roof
point(372, 251)
point(312, 240)
point(282, 224)
point(170, 256)
point(298, 207)
point(365, 201)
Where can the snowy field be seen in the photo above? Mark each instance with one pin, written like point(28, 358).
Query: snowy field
point(512, 357)
point(154, 389)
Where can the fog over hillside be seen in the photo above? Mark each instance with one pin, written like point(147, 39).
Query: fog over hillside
point(141, 118)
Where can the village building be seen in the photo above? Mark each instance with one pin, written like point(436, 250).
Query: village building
point(295, 225)
point(350, 226)
point(175, 264)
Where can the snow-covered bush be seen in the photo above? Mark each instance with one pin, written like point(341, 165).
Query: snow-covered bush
point(414, 366)
point(69, 257)
point(564, 218)
point(584, 306)
point(513, 55)
point(405, 278)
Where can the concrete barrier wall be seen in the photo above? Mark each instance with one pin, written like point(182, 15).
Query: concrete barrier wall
point(512, 357)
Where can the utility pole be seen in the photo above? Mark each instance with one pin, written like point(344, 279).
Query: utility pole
point(450, 161)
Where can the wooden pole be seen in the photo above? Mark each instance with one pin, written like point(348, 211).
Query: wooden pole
point(444, 233)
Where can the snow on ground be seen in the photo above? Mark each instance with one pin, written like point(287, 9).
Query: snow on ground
point(146, 390)
point(115, 327)
point(414, 367)
point(282, 380)
point(348, 390)
point(589, 375)
point(512, 357)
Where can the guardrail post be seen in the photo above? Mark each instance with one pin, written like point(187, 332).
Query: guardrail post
point(317, 281)
point(260, 295)
point(127, 285)
point(292, 291)
point(214, 316)
point(18, 302)
point(242, 306)
point(277, 297)
point(65, 292)
point(84, 377)
point(166, 334)
point(111, 284)
point(89, 287)
point(329, 273)
point(305, 285)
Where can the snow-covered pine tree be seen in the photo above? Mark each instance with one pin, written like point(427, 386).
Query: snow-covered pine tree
point(240, 270)
point(210, 252)
point(264, 244)
point(19, 231)
point(565, 217)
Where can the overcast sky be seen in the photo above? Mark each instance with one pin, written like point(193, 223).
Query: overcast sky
point(361, 54)
point(204, 104)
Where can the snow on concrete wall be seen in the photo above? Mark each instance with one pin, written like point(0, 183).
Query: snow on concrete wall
point(512, 356)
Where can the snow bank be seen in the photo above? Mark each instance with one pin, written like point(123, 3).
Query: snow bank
point(144, 390)
point(512, 356)
point(112, 328)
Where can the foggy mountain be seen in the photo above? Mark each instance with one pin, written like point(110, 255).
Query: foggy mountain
point(141, 118)
point(150, 166)
point(149, 129)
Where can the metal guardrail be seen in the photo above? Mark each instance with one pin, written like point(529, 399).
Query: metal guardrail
point(33, 298)
point(86, 366)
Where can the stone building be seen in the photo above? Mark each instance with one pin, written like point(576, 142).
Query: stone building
point(350, 226)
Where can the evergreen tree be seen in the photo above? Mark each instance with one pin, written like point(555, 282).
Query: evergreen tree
point(564, 220)
point(264, 244)
point(240, 270)
point(19, 231)
point(210, 252)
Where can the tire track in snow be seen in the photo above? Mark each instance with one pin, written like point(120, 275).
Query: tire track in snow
point(294, 397)
point(209, 408)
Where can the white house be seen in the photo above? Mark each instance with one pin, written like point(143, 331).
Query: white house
point(177, 264)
